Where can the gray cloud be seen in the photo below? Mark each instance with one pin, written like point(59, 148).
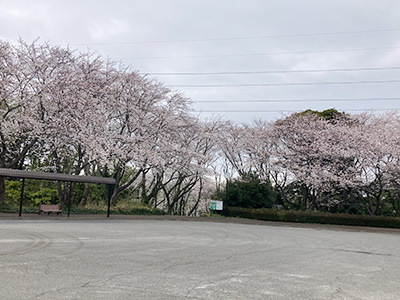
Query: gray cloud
point(204, 36)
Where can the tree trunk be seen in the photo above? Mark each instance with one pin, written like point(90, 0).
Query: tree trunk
point(156, 191)
point(145, 198)
point(193, 211)
point(64, 193)
point(114, 196)
point(60, 191)
point(84, 199)
point(85, 196)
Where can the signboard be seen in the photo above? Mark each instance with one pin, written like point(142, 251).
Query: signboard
point(216, 205)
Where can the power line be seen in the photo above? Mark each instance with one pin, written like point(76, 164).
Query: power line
point(297, 100)
point(288, 110)
point(242, 38)
point(281, 84)
point(271, 72)
point(263, 53)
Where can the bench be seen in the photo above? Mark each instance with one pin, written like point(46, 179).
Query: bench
point(43, 208)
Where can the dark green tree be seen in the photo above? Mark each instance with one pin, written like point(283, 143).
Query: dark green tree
point(249, 191)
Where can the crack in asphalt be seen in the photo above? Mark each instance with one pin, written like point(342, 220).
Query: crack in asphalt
point(361, 252)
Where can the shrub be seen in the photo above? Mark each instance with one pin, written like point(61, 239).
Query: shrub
point(314, 217)
point(35, 192)
point(249, 192)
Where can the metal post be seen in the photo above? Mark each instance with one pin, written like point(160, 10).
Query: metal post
point(22, 197)
point(69, 197)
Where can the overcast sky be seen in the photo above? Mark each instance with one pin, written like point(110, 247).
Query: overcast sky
point(222, 50)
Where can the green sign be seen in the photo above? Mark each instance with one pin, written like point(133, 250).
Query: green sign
point(216, 205)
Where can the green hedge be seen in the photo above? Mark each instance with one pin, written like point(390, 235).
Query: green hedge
point(7, 208)
point(313, 217)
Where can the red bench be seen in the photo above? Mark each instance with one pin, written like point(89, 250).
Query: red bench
point(43, 208)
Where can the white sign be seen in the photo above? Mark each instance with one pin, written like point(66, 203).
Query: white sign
point(216, 205)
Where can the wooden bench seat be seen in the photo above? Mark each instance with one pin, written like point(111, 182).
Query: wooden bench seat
point(43, 208)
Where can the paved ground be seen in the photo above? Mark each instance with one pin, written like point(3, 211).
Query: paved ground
point(140, 258)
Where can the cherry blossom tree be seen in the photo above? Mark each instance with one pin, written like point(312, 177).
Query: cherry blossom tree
point(16, 137)
point(141, 111)
point(315, 152)
point(187, 151)
point(233, 142)
point(377, 157)
point(27, 71)
point(77, 109)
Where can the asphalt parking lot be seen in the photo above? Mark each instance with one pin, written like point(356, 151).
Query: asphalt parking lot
point(175, 259)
